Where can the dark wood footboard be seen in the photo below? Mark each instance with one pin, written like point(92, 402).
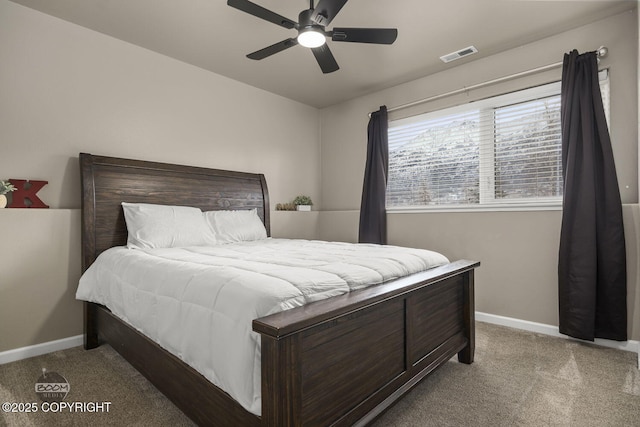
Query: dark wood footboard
point(343, 361)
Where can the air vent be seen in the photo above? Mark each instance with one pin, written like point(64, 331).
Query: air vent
point(459, 54)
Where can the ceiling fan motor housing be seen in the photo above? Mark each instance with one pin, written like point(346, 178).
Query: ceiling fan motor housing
point(306, 23)
point(310, 34)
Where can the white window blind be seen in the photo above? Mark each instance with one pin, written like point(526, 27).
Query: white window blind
point(527, 150)
point(501, 150)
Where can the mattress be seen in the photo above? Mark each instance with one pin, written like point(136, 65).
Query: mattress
point(199, 302)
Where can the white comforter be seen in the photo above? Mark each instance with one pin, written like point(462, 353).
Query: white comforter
point(199, 302)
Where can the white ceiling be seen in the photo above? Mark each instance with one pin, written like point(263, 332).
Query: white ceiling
point(211, 35)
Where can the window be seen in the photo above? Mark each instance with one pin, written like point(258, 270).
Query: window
point(501, 151)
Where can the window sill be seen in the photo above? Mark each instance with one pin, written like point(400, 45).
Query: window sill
point(555, 206)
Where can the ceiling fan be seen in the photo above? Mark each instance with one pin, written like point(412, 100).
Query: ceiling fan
point(311, 31)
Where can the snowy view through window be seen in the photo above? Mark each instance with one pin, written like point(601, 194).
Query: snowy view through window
point(488, 155)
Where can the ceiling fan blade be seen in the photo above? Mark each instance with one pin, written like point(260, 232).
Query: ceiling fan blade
point(325, 59)
point(326, 10)
point(273, 49)
point(365, 35)
point(262, 13)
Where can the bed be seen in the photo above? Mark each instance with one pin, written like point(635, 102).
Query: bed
point(317, 363)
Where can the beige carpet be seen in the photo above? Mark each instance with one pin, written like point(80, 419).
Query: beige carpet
point(526, 379)
point(518, 379)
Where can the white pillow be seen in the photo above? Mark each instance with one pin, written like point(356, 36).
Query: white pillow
point(162, 226)
point(236, 226)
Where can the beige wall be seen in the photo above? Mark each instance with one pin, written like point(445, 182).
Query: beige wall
point(65, 89)
point(518, 250)
point(40, 255)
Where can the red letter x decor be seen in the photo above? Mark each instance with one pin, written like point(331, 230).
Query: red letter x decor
point(25, 194)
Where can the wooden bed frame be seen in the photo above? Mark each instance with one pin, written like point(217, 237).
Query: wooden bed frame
point(340, 361)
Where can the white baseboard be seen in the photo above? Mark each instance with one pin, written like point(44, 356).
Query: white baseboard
point(39, 349)
point(631, 345)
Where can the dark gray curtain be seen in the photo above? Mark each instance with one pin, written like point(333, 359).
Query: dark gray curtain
point(373, 214)
point(592, 279)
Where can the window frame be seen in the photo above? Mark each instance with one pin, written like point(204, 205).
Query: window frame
point(487, 201)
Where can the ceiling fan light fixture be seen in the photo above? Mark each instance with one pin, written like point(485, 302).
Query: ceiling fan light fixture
point(311, 37)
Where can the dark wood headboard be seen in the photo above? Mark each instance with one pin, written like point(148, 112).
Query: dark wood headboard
point(108, 181)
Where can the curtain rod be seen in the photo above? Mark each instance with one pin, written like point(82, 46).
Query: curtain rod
point(601, 51)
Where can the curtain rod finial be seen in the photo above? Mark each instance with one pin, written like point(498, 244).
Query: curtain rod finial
point(602, 51)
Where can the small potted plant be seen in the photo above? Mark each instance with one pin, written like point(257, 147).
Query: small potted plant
point(303, 203)
point(5, 187)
